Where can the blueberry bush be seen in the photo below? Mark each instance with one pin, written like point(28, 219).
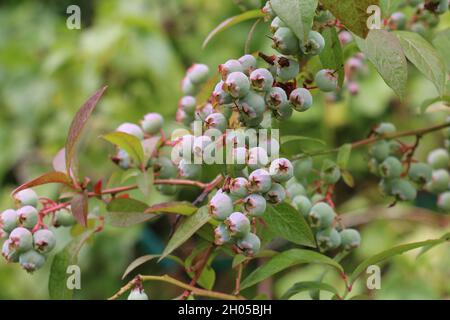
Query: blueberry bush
point(235, 183)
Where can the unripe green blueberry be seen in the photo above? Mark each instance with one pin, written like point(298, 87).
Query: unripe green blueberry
point(202, 113)
point(380, 150)
point(239, 158)
point(391, 168)
point(229, 67)
point(285, 41)
point(276, 24)
point(238, 224)
point(281, 170)
point(276, 194)
point(220, 96)
point(295, 189)
point(137, 294)
point(9, 252)
point(238, 187)
point(216, 121)
point(284, 112)
point(350, 239)
point(221, 234)
point(440, 180)
point(44, 241)
point(21, 239)
point(259, 181)
point(271, 145)
point(328, 239)
point(442, 7)
point(198, 73)
point(443, 201)
point(167, 189)
point(301, 99)
point(188, 88)
point(220, 206)
point(314, 45)
point(323, 16)
point(287, 69)
point(261, 79)
point(252, 106)
point(403, 190)
point(165, 168)
point(385, 128)
point(257, 158)
point(28, 216)
point(326, 80)
point(237, 84)
point(64, 218)
point(303, 205)
point(439, 159)
point(188, 105)
point(131, 129)
point(248, 63)
point(251, 121)
point(188, 170)
point(321, 215)
point(275, 97)
point(9, 220)
point(395, 149)
point(385, 186)
point(153, 122)
point(255, 205)
point(302, 168)
point(250, 244)
point(420, 173)
point(331, 175)
point(26, 197)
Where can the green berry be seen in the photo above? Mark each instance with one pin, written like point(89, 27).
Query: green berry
point(238, 224)
point(9, 252)
point(239, 157)
point(229, 67)
point(326, 80)
point(31, 260)
point(165, 168)
point(314, 45)
point(395, 149)
point(275, 97)
point(385, 186)
point(261, 79)
point(276, 194)
point(64, 218)
point(220, 206)
point(403, 190)
point(440, 180)
point(442, 7)
point(188, 170)
point(237, 84)
point(385, 128)
point(285, 41)
point(267, 9)
point(302, 168)
point(287, 69)
point(21, 239)
point(390, 168)
point(373, 166)
point(216, 121)
point(131, 129)
point(439, 159)
point(248, 63)
point(321, 215)
point(220, 96)
point(198, 73)
point(26, 197)
point(350, 239)
point(301, 99)
point(137, 294)
point(44, 241)
point(252, 106)
point(281, 170)
point(28, 217)
point(398, 21)
point(188, 88)
point(303, 205)
point(257, 158)
point(250, 244)
point(221, 234)
point(420, 173)
point(295, 189)
point(9, 220)
point(259, 181)
point(380, 150)
point(328, 239)
point(153, 122)
point(443, 201)
point(238, 187)
point(255, 205)
point(188, 105)
point(331, 174)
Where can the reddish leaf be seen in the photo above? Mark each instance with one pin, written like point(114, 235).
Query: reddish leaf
point(98, 187)
point(76, 128)
point(50, 177)
point(59, 161)
point(79, 205)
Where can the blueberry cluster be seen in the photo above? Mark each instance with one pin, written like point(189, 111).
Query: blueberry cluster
point(26, 242)
point(439, 182)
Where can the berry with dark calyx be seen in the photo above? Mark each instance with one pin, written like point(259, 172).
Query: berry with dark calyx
point(229, 67)
point(64, 218)
point(220, 96)
point(28, 217)
point(350, 239)
point(284, 112)
point(301, 99)
point(250, 244)
point(276, 194)
point(281, 170)
point(248, 63)
point(216, 121)
point(153, 122)
point(221, 235)
point(9, 220)
point(385, 128)
point(302, 168)
point(275, 97)
point(403, 190)
point(314, 45)
point(252, 106)
point(420, 173)
point(9, 253)
point(326, 80)
point(276, 24)
point(391, 168)
point(255, 205)
point(44, 241)
point(238, 187)
point(220, 206)
point(257, 158)
point(303, 205)
point(380, 150)
point(328, 239)
point(188, 170)
point(237, 84)
point(261, 79)
point(131, 129)
point(21, 239)
point(443, 201)
point(31, 260)
point(287, 69)
point(439, 159)
point(198, 73)
point(26, 197)
point(321, 215)
point(238, 224)
point(188, 104)
point(285, 41)
point(167, 189)
point(295, 189)
point(259, 181)
point(440, 180)
point(137, 294)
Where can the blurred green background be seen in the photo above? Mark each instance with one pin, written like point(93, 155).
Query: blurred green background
point(140, 49)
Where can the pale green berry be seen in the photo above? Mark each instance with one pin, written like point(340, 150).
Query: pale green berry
point(321, 215)
point(250, 244)
point(314, 45)
point(252, 106)
point(9, 220)
point(238, 224)
point(26, 197)
point(220, 206)
point(216, 121)
point(21, 239)
point(188, 170)
point(326, 80)
point(44, 241)
point(187, 104)
point(295, 189)
point(188, 88)
point(28, 217)
point(439, 159)
point(165, 168)
point(303, 205)
point(440, 180)
point(64, 218)
point(395, 149)
point(220, 96)
point(284, 112)
point(257, 158)
point(285, 41)
point(131, 129)
point(403, 190)
point(331, 175)
point(420, 173)
point(31, 260)
point(276, 194)
point(229, 67)
point(248, 63)
point(267, 9)
point(443, 201)
point(137, 294)
point(380, 150)
point(153, 122)
point(301, 99)
point(271, 145)
point(385, 128)
point(275, 97)
point(391, 168)
point(261, 79)
point(221, 235)
point(237, 84)
point(259, 181)
point(281, 170)
point(9, 253)
point(287, 69)
point(302, 168)
point(373, 166)
point(328, 239)
point(238, 187)
point(385, 186)
point(239, 157)
point(198, 73)
point(255, 205)
point(350, 239)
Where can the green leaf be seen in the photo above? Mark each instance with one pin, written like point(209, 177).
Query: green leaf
point(306, 286)
point(240, 258)
point(383, 49)
point(149, 146)
point(442, 43)
point(187, 228)
point(348, 178)
point(208, 276)
point(144, 181)
point(393, 252)
point(332, 56)
point(344, 155)
point(77, 126)
point(50, 177)
point(286, 222)
point(249, 15)
point(143, 259)
point(298, 15)
point(286, 260)
point(57, 283)
point(79, 207)
point(389, 6)
point(425, 57)
point(129, 143)
point(125, 212)
point(287, 139)
point(352, 13)
point(179, 207)
point(431, 246)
